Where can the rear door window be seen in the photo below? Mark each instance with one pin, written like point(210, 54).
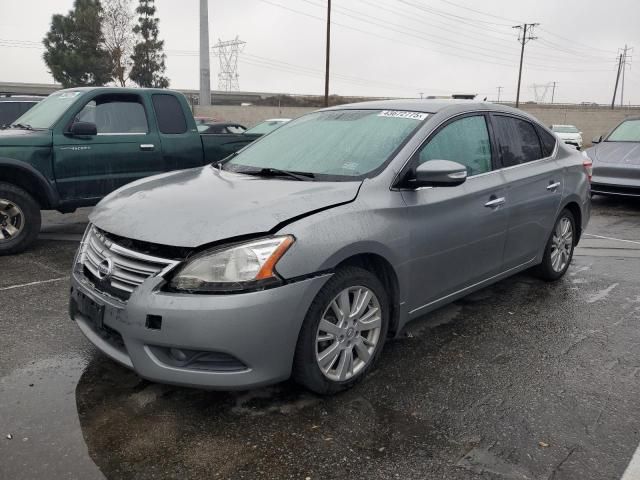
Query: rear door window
point(171, 119)
point(518, 141)
point(548, 141)
point(465, 141)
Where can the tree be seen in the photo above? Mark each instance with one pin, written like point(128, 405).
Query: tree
point(74, 51)
point(148, 56)
point(117, 29)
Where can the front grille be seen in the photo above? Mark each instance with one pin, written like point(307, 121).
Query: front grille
point(117, 270)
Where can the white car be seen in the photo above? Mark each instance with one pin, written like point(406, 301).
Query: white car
point(568, 134)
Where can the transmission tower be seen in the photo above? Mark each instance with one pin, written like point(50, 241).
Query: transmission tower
point(540, 91)
point(227, 52)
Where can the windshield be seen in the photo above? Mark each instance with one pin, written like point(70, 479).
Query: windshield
point(336, 144)
point(627, 131)
point(266, 127)
point(565, 129)
point(49, 110)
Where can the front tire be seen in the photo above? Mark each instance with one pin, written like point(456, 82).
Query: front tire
point(343, 332)
point(19, 219)
point(558, 252)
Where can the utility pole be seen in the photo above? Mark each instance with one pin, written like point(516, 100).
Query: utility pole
point(524, 35)
point(615, 89)
point(205, 71)
point(626, 60)
point(499, 91)
point(553, 91)
point(326, 74)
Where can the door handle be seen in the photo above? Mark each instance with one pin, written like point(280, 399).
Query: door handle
point(147, 146)
point(495, 202)
point(553, 186)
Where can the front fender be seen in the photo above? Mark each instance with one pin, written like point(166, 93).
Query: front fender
point(28, 177)
point(326, 239)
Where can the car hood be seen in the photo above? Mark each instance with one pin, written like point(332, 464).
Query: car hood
point(569, 136)
point(190, 208)
point(15, 137)
point(621, 153)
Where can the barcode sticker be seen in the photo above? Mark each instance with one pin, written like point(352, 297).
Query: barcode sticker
point(400, 114)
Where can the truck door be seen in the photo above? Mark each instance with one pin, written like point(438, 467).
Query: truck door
point(181, 144)
point(125, 148)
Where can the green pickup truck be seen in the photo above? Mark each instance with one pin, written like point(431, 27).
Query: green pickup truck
point(80, 144)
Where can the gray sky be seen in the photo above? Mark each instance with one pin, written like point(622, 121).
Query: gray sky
point(379, 47)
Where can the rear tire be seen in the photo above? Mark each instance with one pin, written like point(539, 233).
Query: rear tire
point(558, 251)
point(19, 219)
point(335, 351)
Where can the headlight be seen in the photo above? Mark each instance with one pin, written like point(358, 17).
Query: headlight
point(78, 260)
point(234, 268)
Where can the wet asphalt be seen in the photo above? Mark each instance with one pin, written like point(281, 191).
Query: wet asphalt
point(522, 380)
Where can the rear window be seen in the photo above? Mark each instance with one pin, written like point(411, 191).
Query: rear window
point(565, 129)
point(518, 140)
point(548, 142)
point(9, 111)
point(171, 119)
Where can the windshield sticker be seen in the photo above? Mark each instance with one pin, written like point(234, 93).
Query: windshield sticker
point(400, 114)
point(69, 94)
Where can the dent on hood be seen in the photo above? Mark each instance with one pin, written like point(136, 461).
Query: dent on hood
point(195, 207)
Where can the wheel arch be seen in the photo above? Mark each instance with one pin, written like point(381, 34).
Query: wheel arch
point(575, 210)
point(25, 176)
point(386, 273)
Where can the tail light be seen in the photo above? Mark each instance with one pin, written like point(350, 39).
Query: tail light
point(588, 166)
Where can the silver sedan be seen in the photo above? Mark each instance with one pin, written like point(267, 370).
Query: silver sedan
point(616, 160)
point(303, 253)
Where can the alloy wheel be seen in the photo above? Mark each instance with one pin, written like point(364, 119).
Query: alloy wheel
point(561, 244)
point(11, 220)
point(348, 333)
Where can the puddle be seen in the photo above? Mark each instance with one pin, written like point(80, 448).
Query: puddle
point(47, 440)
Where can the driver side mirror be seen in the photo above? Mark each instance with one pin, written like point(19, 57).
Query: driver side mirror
point(597, 139)
point(83, 129)
point(439, 173)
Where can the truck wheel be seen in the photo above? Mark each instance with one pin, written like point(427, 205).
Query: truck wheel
point(19, 219)
point(343, 332)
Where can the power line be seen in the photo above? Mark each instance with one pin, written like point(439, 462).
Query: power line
point(480, 12)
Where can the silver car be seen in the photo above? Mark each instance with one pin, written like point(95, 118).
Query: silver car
point(303, 253)
point(616, 160)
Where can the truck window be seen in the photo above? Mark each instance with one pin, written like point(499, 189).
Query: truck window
point(169, 112)
point(115, 114)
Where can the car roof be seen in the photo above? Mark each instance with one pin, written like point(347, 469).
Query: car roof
point(429, 106)
point(21, 98)
point(277, 120)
